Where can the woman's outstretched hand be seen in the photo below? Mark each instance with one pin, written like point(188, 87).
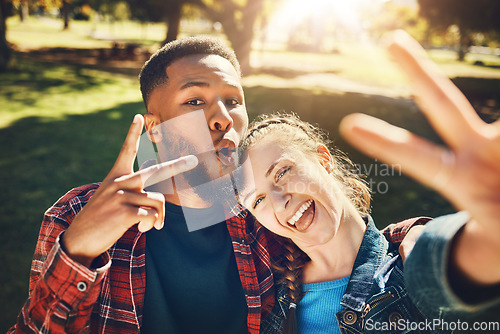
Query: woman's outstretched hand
point(466, 171)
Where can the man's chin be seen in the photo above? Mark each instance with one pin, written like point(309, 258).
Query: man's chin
point(212, 190)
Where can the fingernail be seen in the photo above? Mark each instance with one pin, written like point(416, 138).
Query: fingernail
point(191, 161)
point(136, 118)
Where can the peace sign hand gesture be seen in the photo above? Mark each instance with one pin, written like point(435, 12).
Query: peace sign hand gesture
point(467, 171)
point(121, 202)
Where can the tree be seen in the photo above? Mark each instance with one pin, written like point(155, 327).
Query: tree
point(169, 11)
point(65, 12)
point(468, 16)
point(23, 8)
point(5, 51)
point(237, 18)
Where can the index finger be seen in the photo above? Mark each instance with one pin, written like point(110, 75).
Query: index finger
point(161, 172)
point(124, 164)
point(448, 110)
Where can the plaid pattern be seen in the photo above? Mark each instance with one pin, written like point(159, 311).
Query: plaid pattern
point(66, 297)
point(395, 233)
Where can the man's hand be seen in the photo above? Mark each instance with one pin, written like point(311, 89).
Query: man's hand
point(409, 241)
point(467, 171)
point(121, 202)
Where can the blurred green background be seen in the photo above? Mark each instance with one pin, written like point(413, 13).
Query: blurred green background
point(67, 96)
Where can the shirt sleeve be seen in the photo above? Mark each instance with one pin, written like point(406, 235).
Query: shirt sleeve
point(395, 233)
point(427, 281)
point(62, 292)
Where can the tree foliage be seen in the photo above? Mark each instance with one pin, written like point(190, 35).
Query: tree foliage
point(169, 11)
point(468, 16)
point(477, 15)
point(237, 18)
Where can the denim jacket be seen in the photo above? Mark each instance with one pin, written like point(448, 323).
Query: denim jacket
point(383, 296)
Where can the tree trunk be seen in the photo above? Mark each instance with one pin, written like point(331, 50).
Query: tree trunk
point(173, 22)
point(5, 52)
point(239, 32)
point(463, 43)
point(65, 9)
point(242, 45)
point(23, 10)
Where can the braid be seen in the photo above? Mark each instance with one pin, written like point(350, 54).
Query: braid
point(266, 121)
point(290, 270)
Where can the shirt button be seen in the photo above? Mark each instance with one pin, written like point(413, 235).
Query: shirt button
point(81, 286)
point(349, 317)
point(394, 317)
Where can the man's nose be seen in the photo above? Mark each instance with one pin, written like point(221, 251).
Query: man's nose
point(219, 118)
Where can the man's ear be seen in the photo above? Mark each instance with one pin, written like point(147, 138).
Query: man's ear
point(325, 158)
point(152, 125)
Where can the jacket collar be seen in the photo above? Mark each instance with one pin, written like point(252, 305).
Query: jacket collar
point(370, 255)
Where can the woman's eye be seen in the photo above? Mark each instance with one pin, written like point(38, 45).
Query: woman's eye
point(281, 172)
point(257, 201)
point(195, 102)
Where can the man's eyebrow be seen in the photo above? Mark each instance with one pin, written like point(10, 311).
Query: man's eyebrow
point(195, 84)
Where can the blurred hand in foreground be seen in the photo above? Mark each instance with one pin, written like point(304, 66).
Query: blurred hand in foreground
point(466, 172)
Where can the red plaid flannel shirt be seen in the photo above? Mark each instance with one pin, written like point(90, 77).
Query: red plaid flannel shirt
point(67, 297)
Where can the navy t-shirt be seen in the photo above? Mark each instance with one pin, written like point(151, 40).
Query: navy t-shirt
point(192, 281)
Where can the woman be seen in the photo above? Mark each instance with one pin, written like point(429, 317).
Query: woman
point(338, 272)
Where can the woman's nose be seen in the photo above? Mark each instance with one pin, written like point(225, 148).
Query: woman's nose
point(280, 199)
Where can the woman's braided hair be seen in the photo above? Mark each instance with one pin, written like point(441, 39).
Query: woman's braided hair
point(297, 134)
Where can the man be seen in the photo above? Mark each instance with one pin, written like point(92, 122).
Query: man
point(89, 271)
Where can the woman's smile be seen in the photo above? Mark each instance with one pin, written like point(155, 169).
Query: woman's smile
point(303, 217)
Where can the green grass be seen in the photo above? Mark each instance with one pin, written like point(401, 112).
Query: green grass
point(46, 32)
point(60, 127)
point(51, 92)
point(365, 63)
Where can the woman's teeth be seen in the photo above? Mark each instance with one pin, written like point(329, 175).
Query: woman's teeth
point(300, 212)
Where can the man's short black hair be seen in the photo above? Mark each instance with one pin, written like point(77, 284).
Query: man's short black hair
point(153, 73)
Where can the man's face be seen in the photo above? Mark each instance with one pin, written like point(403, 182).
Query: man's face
point(206, 83)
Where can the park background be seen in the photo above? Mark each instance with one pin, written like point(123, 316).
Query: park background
point(69, 88)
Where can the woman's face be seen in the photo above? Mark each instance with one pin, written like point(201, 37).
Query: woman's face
point(293, 195)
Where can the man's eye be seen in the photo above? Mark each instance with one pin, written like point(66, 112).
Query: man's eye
point(257, 201)
point(195, 102)
point(281, 173)
point(232, 102)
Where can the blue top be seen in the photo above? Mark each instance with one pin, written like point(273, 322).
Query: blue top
point(316, 310)
point(384, 296)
